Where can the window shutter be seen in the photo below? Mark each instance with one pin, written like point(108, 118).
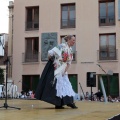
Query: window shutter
point(118, 9)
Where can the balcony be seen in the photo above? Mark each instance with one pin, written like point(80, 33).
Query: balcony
point(32, 26)
point(106, 20)
point(66, 23)
point(30, 57)
point(105, 55)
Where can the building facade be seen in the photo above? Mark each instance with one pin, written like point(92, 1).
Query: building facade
point(41, 24)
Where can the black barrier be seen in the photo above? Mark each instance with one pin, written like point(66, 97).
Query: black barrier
point(116, 117)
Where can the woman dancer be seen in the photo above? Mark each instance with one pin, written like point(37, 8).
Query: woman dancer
point(54, 86)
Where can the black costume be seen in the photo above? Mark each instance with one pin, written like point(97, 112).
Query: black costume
point(46, 89)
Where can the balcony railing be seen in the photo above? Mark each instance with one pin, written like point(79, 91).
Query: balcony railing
point(30, 57)
point(32, 26)
point(107, 20)
point(107, 55)
point(68, 23)
point(74, 57)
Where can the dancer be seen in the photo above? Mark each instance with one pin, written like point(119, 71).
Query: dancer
point(54, 86)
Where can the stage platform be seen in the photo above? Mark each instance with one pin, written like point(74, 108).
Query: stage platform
point(39, 110)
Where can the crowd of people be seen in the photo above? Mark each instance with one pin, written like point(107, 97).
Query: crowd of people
point(30, 94)
point(98, 96)
point(23, 95)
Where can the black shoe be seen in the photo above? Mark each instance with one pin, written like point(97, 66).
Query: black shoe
point(59, 107)
point(72, 105)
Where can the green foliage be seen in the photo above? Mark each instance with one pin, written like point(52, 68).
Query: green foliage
point(1, 75)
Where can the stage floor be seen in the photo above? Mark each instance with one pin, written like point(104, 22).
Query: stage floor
point(39, 110)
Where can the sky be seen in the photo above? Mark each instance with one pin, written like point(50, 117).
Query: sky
point(4, 15)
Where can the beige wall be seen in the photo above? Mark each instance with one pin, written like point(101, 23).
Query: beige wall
point(87, 37)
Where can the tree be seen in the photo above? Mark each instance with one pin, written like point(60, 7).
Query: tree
point(1, 76)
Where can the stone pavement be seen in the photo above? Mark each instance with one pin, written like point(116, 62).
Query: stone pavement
point(39, 110)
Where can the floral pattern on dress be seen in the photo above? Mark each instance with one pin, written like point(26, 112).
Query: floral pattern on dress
point(66, 55)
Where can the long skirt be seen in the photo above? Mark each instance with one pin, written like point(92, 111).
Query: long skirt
point(46, 90)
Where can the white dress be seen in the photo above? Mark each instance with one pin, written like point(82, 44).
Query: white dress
point(63, 85)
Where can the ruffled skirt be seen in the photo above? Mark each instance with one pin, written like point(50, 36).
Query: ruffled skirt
point(64, 87)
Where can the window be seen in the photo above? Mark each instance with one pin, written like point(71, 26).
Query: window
point(106, 12)
point(32, 18)
point(107, 47)
point(68, 16)
point(30, 82)
point(73, 48)
point(32, 50)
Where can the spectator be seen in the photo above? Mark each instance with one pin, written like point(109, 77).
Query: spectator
point(99, 95)
point(32, 95)
point(87, 96)
point(30, 92)
point(110, 99)
point(24, 95)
